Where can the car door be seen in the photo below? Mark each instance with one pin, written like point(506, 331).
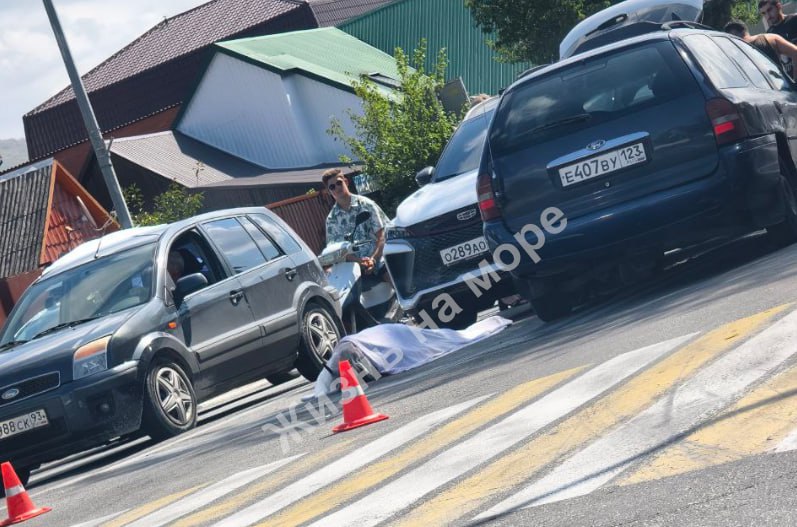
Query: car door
point(782, 95)
point(267, 280)
point(216, 321)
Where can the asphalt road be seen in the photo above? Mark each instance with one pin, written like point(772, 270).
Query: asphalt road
point(670, 403)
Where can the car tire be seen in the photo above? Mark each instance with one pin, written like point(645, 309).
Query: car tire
point(170, 404)
point(785, 233)
point(551, 306)
point(319, 334)
point(280, 377)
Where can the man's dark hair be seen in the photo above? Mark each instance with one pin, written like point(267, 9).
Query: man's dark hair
point(736, 27)
point(329, 174)
point(762, 3)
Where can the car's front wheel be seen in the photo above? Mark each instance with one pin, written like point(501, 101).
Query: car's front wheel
point(320, 333)
point(170, 404)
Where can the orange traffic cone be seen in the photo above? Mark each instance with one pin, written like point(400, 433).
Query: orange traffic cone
point(20, 507)
point(357, 410)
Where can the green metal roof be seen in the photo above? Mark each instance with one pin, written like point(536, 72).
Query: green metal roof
point(328, 54)
point(444, 24)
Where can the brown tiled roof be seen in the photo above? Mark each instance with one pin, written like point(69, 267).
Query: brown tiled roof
point(24, 195)
point(334, 12)
point(157, 70)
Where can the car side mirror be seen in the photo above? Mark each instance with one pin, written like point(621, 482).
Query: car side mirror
point(189, 284)
point(424, 176)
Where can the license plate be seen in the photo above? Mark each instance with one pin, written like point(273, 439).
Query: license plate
point(464, 251)
point(603, 164)
point(23, 423)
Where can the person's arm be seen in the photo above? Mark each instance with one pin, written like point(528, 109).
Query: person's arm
point(378, 225)
point(782, 46)
point(380, 245)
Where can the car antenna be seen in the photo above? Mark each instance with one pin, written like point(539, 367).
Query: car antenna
point(99, 242)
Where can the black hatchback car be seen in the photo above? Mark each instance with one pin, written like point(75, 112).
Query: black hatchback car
point(647, 145)
point(130, 332)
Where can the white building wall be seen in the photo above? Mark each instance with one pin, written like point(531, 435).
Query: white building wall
point(318, 104)
point(244, 110)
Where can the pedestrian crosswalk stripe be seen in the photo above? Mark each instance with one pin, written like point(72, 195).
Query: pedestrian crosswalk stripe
point(322, 502)
point(282, 478)
point(710, 390)
point(208, 495)
point(789, 443)
point(142, 511)
point(496, 439)
point(752, 426)
point(584, 426)
point(100, 521)
point(340, 468)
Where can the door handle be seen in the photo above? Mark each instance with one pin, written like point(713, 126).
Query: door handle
point(290, 273)
point(236, 297)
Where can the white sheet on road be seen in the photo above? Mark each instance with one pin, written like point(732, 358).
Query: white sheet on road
point(395, 348)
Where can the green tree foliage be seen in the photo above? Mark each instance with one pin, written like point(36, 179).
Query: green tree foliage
point(173, 205)
point(398, 134)
point(531, 30)
point(746, 11)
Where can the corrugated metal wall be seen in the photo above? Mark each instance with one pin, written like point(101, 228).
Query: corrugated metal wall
point(445, 24)
point(307, 215)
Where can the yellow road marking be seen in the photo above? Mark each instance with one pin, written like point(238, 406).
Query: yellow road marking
point(752, 426)
point(149, 508)
point(326, 500)
point(273, 482)
point(584, 426)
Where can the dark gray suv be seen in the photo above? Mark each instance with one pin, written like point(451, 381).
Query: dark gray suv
point(130, 332)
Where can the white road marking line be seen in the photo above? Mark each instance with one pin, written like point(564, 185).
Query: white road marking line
point(344, 466)
point(457, 461)
point(710, 390)
point(100, 521)
point(788, 443)
point(201, 498)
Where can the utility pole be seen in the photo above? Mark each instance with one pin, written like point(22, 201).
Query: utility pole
point(89, 119)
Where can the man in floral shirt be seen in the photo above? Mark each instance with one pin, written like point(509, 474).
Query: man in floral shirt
point(341, 220)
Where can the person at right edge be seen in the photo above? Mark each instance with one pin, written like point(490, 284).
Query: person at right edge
point(773, 46)
point(780, 24)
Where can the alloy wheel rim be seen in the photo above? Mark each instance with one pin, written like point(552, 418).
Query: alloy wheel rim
point(323, 335)
point(174, 397)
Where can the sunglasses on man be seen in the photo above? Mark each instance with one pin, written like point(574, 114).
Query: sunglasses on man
point(337, 183)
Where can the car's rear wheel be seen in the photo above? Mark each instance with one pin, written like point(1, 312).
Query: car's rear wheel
point(785, 233)
point(320, 333)
point(170, 404)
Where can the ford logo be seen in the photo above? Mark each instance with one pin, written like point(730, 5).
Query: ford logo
point(596, 145)
point(466, 215)
point(10, 394)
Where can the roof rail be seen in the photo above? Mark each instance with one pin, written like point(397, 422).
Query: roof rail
point(686, 23)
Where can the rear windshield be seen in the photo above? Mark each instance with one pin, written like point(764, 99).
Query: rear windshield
point(589, 92)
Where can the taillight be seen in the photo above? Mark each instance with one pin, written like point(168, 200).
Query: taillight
point(487, 206)
point(727, 123)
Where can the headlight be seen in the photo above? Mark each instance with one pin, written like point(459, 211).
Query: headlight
point(90, 358)
point(397, 233)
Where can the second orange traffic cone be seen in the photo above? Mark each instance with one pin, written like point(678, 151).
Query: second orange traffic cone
point(20, 506)
point(357, 410)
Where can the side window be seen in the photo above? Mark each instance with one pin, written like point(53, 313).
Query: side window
point(235, 243)
point(283, 238)
point(719, 68)
point(191, 254)
point(770, 69)
point(267, 247)
point(744, 62)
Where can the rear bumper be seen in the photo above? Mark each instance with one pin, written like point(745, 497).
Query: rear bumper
point(76, 417)
point(741, 195)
